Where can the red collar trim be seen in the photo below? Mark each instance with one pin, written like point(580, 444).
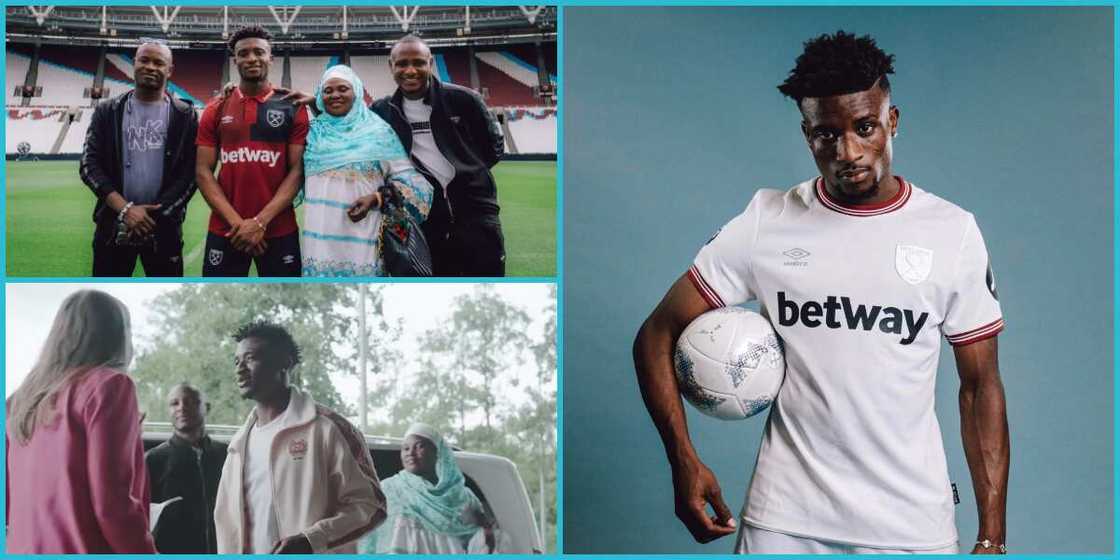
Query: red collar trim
point(894, 203)
point(259, 98)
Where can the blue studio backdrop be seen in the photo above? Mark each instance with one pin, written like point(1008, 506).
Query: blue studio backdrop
point(673, 120)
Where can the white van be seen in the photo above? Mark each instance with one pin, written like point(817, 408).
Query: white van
point(493, 479)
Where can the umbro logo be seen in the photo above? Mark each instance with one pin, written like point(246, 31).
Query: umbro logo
point(797, 257)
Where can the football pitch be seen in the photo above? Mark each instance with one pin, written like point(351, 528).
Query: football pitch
point(50, 229)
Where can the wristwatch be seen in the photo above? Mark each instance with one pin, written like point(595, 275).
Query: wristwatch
point(987, 543)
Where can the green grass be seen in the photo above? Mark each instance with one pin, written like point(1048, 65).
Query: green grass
point(50, 228)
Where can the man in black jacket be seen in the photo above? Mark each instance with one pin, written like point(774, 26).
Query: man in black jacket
point(138, 160)
point(189, 465)
point(454, 140)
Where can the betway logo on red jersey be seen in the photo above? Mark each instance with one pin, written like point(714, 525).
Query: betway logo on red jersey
point(248, 155)
point(840, 313)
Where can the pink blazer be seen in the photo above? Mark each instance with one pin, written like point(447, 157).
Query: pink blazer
point(80, 484)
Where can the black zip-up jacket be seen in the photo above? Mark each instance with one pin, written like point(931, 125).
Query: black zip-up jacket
point(469, 137)
point(175, 468)
point(102, 165)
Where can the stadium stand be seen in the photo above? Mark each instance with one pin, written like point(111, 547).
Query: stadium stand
point(503, 89)
point(62, 85)
point(198, 74)
point(374, 71)
point(512, 67)
point(306, 71)
point(76, 136)
point(14, 75)
point(454, 67)
point(37, 126)
point(502, 64)
point(533, 131)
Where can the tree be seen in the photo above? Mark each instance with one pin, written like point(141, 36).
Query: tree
point(196, 322)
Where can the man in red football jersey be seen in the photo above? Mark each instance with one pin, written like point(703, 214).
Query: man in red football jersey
point(259, 139)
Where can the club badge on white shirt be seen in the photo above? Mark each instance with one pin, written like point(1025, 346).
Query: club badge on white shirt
point(913, 263)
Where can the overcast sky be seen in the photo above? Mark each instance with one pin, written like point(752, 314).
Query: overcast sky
point(31, 309)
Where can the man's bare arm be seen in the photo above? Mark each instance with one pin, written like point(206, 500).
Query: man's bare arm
point(986, 441)
point(206, 161)
point(694, 485)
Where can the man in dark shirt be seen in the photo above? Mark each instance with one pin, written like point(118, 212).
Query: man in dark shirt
point(454, 140)
point(189, 466)
point(138, 160)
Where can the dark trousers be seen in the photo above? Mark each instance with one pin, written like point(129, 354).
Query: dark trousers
point(472, 249)
point(163, 256)
point(282, 258)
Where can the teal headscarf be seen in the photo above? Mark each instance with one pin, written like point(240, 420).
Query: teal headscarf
point(359, 136)
point(438, 507)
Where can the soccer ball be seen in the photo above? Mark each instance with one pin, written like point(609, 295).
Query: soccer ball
point(729, 363)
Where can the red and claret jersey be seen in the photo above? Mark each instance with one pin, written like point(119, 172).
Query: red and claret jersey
point(252, 135)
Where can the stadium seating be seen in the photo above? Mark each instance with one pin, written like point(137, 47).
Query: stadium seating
point(76, 136)
point(456, 67)
point(528, 53)
point(118, 66)
point(198, 74)
point(306, 71)
point(512, 67)
point(62, 85)
point(15, 74)
point(508, 74)
point(39, 127)
point(505, 91)
point(374, 71)
point(533, 131)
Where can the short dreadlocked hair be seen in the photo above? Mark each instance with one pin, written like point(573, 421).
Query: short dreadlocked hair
point(836, 65)
point(249, 32)
point(276, 336)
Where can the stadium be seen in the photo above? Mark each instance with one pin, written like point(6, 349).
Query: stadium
point(63, 60)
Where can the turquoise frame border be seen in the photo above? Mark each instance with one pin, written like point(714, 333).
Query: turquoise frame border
point(558, 279)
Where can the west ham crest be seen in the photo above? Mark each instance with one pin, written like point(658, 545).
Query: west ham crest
point(297, 449)
point(913, 263)
point(275, 118)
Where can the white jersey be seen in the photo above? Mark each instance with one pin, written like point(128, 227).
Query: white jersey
point(860, 295)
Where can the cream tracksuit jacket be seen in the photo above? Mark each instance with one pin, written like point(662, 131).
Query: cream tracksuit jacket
point(323, 481)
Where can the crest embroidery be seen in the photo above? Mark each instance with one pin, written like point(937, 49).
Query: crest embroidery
point(275, 118)
point(913, 263)
point(297, 449)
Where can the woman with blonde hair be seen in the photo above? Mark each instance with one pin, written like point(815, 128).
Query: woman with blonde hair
point(75, 471)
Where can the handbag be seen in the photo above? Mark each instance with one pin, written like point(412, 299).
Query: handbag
point(404, 250)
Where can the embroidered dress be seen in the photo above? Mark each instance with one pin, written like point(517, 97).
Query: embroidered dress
point(335, 246)
point(348, 157)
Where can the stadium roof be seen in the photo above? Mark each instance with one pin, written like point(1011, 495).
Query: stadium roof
point(290, 25)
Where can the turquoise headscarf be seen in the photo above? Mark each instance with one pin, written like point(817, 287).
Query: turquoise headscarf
point(438, 507)
point(359, 136)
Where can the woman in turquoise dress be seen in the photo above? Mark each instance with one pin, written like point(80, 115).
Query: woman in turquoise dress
point(350, 153)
